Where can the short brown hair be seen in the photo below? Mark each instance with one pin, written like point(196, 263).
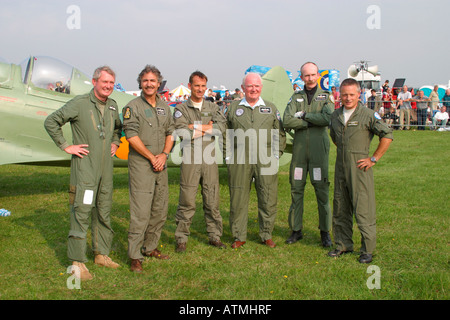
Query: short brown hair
point(199, 74)
point(350, 82)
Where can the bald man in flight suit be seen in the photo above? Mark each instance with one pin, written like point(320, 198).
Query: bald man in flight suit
point(308, 113)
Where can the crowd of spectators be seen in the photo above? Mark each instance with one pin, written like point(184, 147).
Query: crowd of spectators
point(404, 108)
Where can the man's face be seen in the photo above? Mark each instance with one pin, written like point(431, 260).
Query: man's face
point(103, 86)
point(421, 94)
point(349, 96)
point(309, 75)
point(149, 84)
point(405, 88)
point(252, 88)
point(198, 88)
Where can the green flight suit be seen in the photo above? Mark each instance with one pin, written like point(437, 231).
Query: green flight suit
point(354, 193)
point(257, 140)
point(149, 190)
point(310, 154)
point(199, 166)
point(96, 124)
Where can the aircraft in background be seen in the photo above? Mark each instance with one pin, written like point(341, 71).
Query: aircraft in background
point(29, 92)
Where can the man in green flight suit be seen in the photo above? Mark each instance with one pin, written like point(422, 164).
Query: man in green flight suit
point(96, 129)
point(255, 140)
point(352, 129)
point(308, 113)
point(197, 122)
point(148, 127)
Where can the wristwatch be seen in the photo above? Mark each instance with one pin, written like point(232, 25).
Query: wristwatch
point(167, 155)
point(373, 159)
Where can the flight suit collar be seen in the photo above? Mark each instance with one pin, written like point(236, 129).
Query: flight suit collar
point(190, 103)
point(259, 103)
point(157, 101)
point(96, 100)
point(355, 113)
point(108, 104)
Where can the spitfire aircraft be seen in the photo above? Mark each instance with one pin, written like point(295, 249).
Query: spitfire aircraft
point(29, 92)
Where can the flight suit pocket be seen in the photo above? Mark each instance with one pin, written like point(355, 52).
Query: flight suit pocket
point(85, 196)
point(72, 193)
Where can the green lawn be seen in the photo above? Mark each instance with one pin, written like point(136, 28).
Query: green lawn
point(412, 191)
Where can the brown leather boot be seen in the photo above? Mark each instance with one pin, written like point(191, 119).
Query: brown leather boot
point(136, 265)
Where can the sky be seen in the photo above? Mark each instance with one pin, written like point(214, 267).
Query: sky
point(404, 38)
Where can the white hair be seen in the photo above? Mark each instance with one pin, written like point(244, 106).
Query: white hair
point(251, 73)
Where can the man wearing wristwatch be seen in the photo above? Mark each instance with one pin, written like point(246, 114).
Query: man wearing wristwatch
point(148, 127)
point(198, 122)
point(352, 129)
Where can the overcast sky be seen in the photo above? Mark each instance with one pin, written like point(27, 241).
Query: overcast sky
point(405, 38)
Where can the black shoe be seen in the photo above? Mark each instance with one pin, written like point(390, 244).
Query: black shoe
point(325, 237)
point(336, 253)
point(295, 236)
point(365, 258)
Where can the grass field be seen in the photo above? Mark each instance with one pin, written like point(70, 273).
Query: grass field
point(412, 191)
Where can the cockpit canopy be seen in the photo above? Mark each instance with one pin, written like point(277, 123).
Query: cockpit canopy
point(52, 74)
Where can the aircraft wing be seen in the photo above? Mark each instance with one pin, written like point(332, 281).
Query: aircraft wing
point(277, 88)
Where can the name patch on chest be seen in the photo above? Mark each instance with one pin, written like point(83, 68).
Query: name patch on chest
point(321, 97)
point(265, 110)
point(160, 111)
point(352, 124)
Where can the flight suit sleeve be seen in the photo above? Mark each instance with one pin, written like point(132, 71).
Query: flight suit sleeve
point(229, 123)
point(278, 125)
point(54, 122)
point(181, 123)
point(323, 118)
point(170, 125)
point(130, 122)
point(380, 128)
point(117, 128)
point(219, 120)
point(289, 120)
point(332, 132)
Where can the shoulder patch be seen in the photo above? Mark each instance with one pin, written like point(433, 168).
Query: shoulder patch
point(278, 115)
point(177, 114)
point(239, 112)
point(377, 116)
point(127, 113)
